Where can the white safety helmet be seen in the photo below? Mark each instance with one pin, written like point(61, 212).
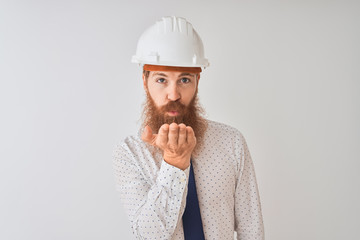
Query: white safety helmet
point(172, 41)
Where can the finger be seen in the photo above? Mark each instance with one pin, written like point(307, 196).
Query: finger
point(173, 134)
point(191, 139)
point(162, 137)
point(182, 134)
point(148, 136)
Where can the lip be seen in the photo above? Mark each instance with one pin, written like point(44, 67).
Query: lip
point(173, 113)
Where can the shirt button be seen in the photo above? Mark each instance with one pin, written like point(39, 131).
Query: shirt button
point(182, 179)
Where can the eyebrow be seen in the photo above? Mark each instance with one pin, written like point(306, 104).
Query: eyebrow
point(181, 75)
point(186, 74)
point(160, 74)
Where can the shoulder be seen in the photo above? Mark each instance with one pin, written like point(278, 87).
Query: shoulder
point(132, 149)
point(130, 145)
point(222, 129)
point(223, 136)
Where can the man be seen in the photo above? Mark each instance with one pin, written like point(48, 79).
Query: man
point(183, 176)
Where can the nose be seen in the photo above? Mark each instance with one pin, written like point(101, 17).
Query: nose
point(173, 93)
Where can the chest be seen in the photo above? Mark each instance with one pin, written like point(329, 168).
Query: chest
point(215, 177)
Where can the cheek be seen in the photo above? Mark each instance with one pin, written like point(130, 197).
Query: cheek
point(156, 95)
point(188, 96)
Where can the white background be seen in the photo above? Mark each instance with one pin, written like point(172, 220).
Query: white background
point(285, 73)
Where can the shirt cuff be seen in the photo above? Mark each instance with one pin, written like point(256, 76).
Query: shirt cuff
point(173, 178)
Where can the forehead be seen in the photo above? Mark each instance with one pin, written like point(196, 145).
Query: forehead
point(171, 74)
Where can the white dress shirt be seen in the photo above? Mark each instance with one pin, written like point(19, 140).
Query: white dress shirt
point(153, 192)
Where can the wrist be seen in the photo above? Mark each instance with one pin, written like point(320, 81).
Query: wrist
point(179, 162)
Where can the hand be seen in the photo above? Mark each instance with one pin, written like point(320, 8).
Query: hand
point(176, 141)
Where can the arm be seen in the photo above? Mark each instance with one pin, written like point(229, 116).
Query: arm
point(154, 209)
point(248, 216)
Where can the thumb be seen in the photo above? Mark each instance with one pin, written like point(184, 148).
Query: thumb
point(147, 135)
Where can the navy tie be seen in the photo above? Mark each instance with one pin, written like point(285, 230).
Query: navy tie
point(193, 229)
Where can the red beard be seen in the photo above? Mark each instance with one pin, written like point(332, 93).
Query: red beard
point(190, 115)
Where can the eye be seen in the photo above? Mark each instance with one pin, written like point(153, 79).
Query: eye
point(160, 80)
point(185, 80)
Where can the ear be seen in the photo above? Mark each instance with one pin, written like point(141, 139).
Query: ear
point(197, 79)
point(144, 82)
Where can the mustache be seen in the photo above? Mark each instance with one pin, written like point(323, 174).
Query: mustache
point(173, 106)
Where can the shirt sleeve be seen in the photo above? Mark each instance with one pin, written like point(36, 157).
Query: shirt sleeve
point(248, 216)
point(154, 209)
